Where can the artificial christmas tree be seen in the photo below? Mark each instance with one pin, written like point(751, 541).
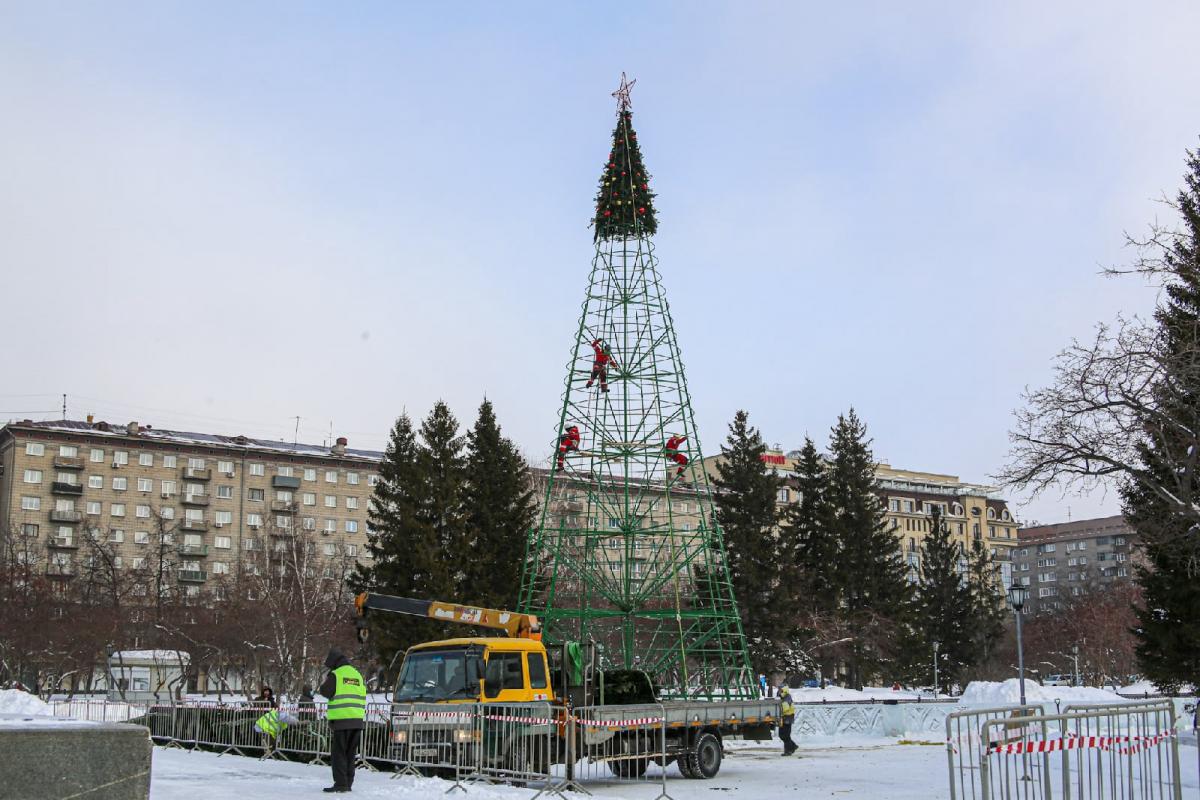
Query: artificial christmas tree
point(614, 557)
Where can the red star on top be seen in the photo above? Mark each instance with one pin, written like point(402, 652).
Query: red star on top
point(622, 92)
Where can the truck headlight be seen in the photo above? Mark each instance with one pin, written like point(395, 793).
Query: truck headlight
point(465, 735)
point(400, 737)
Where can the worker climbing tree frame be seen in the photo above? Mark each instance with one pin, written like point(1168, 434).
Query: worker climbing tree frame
point(627, 550)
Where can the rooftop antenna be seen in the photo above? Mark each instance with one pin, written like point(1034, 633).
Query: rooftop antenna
point(296, 436)
point(64, 406)
point(1068, 513)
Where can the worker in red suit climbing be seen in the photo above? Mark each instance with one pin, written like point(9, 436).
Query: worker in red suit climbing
point(671, 451)
point(569, 442)
point(603, 357)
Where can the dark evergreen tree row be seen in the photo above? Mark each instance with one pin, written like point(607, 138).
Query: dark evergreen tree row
point(822, 583)
point(448, 521)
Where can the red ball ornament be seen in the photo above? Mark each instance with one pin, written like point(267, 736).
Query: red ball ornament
point(608, 213)
point(644, 186)
point(641, 210)
point(612, 164)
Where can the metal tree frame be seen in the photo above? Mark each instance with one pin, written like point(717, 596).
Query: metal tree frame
point(613, 557)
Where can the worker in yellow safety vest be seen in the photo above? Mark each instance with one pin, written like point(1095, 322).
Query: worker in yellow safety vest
point(346, 692)
point(787, 713)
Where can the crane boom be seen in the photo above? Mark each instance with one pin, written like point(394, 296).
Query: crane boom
point(525, 626)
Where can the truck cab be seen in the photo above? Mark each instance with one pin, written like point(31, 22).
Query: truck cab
point(475, 669)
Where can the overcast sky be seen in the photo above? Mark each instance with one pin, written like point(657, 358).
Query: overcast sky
point(221, 216)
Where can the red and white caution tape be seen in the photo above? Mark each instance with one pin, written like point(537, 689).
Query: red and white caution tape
point(1134, 744)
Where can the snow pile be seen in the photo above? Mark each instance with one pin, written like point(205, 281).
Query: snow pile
point(19, 703)
point(1146, 687)
point(991, 693)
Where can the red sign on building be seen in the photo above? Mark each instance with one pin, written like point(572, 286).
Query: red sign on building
point(772, 458)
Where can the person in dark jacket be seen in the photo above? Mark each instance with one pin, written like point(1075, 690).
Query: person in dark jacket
point(307, 704)
point(346, 692)
point(266, 698)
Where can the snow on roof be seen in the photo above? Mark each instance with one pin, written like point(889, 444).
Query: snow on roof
point(118, 430)
point(157, 656)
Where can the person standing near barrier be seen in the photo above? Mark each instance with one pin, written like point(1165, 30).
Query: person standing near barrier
point(347, 710)
point(787, 713)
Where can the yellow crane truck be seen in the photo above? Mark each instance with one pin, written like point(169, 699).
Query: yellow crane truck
point(516, 668)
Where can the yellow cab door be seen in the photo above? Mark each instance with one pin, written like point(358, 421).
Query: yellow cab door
point(516, 675)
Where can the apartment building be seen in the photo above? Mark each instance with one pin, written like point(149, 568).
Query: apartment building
point(211, 498)
point(973, 512)
point(1069, 559)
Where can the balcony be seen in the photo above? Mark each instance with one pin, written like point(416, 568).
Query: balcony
point(283, 506)
point(60, 571)
point(196, 474)
point(68, 462)
point(194, 525)
point(66, 516)
point(61, 543)
point(61, 487)
point(195, 500)
point(192, 576)
point(196, 550)
point(282, 532)
point(285, 482)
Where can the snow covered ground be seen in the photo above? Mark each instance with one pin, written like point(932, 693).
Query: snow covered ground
point(991, 693)
point(870, 769)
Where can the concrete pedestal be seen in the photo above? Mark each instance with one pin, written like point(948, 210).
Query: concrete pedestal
point(45, 758)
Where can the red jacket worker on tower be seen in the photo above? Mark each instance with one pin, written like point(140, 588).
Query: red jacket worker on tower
point(569, 442)
point(600, 364)
point(671, 451)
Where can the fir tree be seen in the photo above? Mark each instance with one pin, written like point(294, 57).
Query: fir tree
point(624, 202)
point(810, 536)
point(870, 572)
point(498, 497)
point(1169, 620)
point(747, 514)
point(403, 547)
point(442, 467)
point(987, 602)
point(944, 607)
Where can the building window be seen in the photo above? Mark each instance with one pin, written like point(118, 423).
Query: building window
point(351, 526)
point(120, 457)
point(310, 523)
point(225, 467)
point(93, 508)
point(120, 484)
point(116, 536)
point(145, 485)
point(169, 461)
point(138, 562)
point(782, 495)
point(331, 476)
point(991, 513)
point(1048, 562)
point(35, 449)
point(908, 506)
point(142, 512)
point(1122, 572)
point(141, 537)
point(222, 542)
point(1049, 591)
point(97, 456)
point(1121, 556)
point(285, 472)
point(310, 474)
point(283, 496)
point(1047, 577)
point(372, 480)
point(1120, 540)
point(146, 459)
point(330, 526)
point(33, 476)
point(283, 521)
point(254, 520)
point(331, 501)
point(351, 550)
point(223, 517)
point(68, 451)
point(352, 478)
point(352, 502)
point(309, 499)
point(116, 510)
point(258, 470)
point(220, 568)
point(167, 512)
point(29, 530)
point(225, 492)
point(31, 503)
point(257, 495)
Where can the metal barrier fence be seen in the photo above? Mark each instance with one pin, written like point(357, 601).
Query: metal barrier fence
point(963, 751)
point(1113, 753)
point(627, 744)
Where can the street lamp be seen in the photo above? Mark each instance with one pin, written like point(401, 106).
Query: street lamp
point(1017, 595)
point(936, 645)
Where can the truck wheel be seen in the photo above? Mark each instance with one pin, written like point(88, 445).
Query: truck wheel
point(705, 758)
point(684, 760)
